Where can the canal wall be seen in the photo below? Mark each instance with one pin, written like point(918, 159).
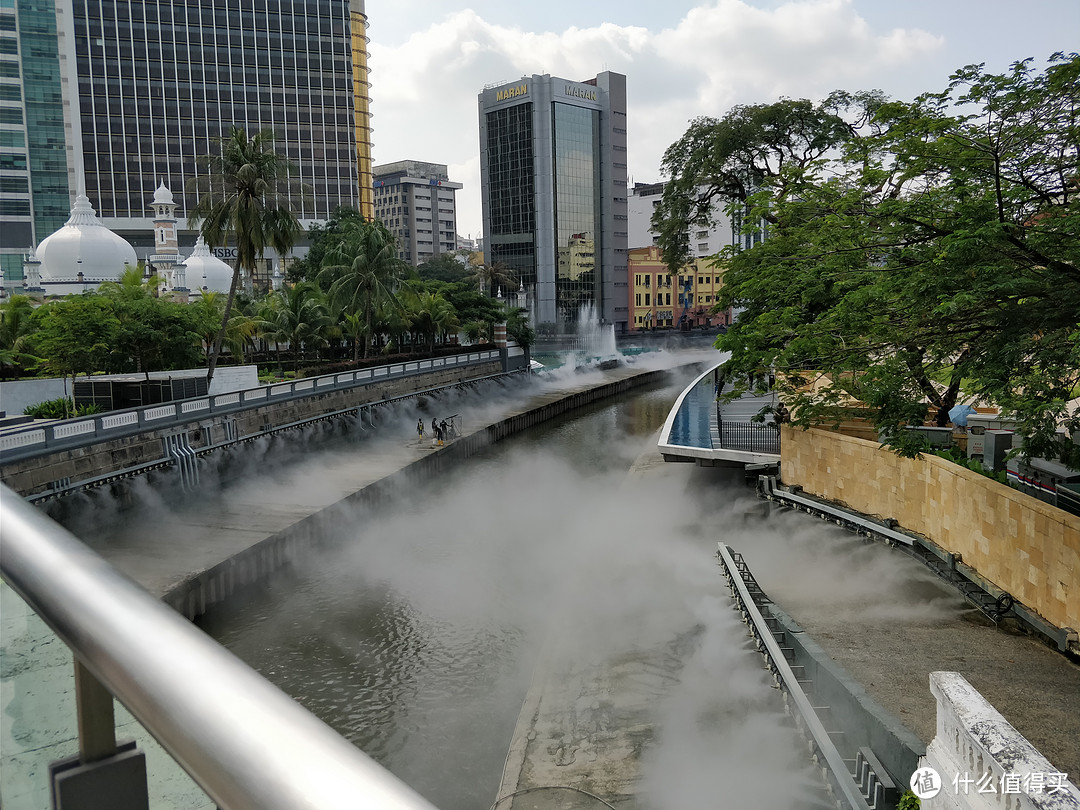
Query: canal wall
point(843, 703)
point(1021, 545)
point(140, 451)
point(193, 596)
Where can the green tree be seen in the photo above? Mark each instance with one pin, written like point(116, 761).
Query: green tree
point(444, 267)
point(489, 277)
point(16, 332)
point(518, 328)
point(432, 317)
point(296, 315)
point(153, 334)
point(321, 238)
point(242, 201)
point(361, 270)
point(76, 334)
point(929, 252)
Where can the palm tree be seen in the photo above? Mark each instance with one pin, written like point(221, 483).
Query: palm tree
point(242, 201)
point(16, 331)
point(491, 277)
point(297, 316)
point(131, 285)
point(433, 316)
point(361, 270)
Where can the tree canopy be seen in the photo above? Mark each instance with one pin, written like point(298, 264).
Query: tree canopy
point(919, 253)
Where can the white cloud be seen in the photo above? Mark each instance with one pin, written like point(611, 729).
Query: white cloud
point(723, 53)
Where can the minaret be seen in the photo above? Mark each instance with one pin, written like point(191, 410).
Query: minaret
point(166, 257)
point(32, 275)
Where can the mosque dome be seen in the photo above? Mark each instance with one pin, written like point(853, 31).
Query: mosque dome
point(84, 246)
point(206, 270)
point(163, 196)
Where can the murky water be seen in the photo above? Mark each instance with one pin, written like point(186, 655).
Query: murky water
point(416, 639)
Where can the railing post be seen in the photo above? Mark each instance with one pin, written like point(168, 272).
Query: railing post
point(104, 775)
point(94, 707)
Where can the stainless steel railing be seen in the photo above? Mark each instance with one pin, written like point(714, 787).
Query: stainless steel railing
point(245, 742)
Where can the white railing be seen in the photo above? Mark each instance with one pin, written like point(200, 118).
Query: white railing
point(981, 762)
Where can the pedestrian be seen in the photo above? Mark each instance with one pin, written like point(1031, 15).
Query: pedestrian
point(438, 433)
point(782, 413)
point(442, 427)
point(419, 430)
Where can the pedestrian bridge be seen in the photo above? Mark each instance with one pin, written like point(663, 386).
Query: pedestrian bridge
point(704, 430)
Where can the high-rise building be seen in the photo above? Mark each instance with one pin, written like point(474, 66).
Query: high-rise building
point(553, 184)
point(416, 202)
point(115, 97)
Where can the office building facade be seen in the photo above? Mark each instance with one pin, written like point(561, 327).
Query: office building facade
point(416, 202)
point(115, 97)
point(553, 184)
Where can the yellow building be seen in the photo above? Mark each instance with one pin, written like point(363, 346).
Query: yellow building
point(661, 300)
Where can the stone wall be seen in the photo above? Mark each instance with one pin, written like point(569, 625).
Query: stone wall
point(32, 476)
point(1022, 545)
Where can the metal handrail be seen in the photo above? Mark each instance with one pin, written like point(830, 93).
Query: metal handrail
point(841, 780)
point(244, 741)
point(34, 440)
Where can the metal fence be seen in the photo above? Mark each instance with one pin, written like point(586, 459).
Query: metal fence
point(70, 433)
point(749, 436)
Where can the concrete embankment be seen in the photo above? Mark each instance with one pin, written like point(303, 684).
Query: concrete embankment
point(194, 566)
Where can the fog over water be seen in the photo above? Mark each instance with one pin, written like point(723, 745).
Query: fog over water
point(417, 636)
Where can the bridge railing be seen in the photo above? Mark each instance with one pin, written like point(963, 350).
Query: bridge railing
point(71, 433)
point(246, 743)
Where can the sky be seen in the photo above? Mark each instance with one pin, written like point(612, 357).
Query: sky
point(429, 60)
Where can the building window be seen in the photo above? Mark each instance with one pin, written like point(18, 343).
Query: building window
point(646, 299)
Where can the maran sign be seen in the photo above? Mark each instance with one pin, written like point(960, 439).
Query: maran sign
point(581, 92)
point(506, 93)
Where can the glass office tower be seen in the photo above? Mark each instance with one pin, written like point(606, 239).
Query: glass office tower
point(553, 177)
point(135, 92)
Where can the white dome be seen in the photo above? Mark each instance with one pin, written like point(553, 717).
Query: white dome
point(163, 196)
point(84, 245)
point(206, 270)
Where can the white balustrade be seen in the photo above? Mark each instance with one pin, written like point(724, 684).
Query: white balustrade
point(227, 399)
point(982, 762)
point(193, 405)
point(114, 420)
point(65, 429)
point(9, 441)
point(150, 414)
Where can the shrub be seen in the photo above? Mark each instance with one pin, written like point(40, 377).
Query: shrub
point(60, 409)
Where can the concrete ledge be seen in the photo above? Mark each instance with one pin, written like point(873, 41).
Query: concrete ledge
point(974, 742)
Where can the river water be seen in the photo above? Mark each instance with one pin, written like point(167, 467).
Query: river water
point(416, 638)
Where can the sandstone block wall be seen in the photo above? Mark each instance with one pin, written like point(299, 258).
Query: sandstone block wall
point(1024, 546)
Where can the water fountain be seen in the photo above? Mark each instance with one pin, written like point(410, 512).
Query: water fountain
point(595, 341)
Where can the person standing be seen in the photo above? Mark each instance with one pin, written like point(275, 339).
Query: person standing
point(419, 430)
